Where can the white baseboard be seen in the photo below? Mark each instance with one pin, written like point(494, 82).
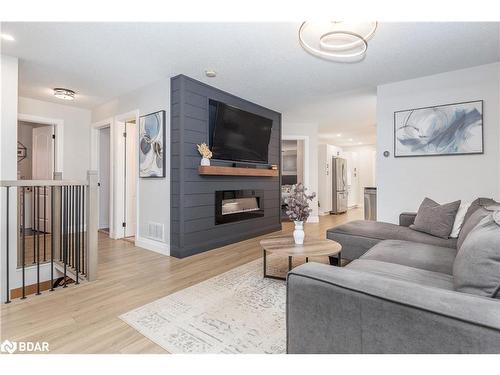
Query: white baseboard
point(157, 247)
point(313, 219)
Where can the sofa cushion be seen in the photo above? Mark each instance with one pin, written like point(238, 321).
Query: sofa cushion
point(436, 219)
point(377, 230)
point(477, 265)
point(401, 272)
point(412, 254)
point(470, 223)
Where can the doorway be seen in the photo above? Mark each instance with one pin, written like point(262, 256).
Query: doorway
point(104, 171)
point(35, 161)
point(292, 169)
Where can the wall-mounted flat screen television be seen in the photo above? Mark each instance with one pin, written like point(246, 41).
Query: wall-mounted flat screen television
point(238, 135)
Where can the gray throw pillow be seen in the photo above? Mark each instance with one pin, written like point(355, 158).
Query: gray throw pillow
point(476, 269)
point(470, 223)
point(436, 219)
point(477, 204)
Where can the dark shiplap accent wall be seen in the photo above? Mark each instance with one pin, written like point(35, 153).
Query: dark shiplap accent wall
point(192, 217)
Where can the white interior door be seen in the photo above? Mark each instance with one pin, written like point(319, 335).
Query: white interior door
point(130, 178)
point(43, 169)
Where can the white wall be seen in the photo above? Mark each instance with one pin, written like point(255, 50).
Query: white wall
point(153, 194)
point(8, 161)
point(76, 143)
point(403, 182)
point(290, 128)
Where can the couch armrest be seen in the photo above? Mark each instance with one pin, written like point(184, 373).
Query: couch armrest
point(407, 218)
point(339, 310)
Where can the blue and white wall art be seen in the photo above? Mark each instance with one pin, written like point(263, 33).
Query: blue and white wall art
point(152, 145)
point(451, 129)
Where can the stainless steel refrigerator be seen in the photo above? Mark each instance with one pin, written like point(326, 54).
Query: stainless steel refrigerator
point(339, 185)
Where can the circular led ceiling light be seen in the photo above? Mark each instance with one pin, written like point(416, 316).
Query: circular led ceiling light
point(64, 94)
point(336, 41)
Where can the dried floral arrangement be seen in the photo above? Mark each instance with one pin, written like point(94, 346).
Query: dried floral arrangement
point(204, 151)
point(298, 203)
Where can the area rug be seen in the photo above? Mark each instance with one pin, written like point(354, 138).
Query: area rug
point(236, 312)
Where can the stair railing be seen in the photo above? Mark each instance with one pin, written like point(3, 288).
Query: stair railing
point(60, 245)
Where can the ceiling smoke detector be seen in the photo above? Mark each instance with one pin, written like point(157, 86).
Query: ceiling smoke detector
point(210, 73)
point(64, 94)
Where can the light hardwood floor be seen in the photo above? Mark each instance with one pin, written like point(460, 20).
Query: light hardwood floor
point(84, 319)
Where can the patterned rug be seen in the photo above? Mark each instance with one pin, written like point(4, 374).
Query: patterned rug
point(236, 312)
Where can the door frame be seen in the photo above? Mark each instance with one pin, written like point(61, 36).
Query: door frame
point(58, 125)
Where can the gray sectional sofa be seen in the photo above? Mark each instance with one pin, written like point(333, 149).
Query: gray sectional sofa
point(403, 292)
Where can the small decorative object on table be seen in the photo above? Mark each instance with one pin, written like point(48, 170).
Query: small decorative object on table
point(298, 210)
point(205, 153)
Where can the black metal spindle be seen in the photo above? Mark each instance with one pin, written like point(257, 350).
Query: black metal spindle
point(77, 251)
point(70, 218)
point(7, 266)
point(84, 229)
point(34, 226)
point(52, 246)
point(65, 255)
point(24, 244)
point(73, 258)
point(44, 222)
point(38, 245)
point(61, 222)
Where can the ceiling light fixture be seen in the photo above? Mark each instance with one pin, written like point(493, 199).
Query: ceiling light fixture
point(64, 94)
point(210, 73)
point(7, 37)
point(337, 41)
point(339, 135)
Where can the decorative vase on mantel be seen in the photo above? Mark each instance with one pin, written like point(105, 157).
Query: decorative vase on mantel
point(205, 161)
point(205, 153)
point(298, 233)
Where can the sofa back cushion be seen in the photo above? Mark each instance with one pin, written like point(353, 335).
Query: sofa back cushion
point(470, 223)
point(436, 219)
point(476, 269)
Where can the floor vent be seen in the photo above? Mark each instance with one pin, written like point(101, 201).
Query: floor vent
point(155, 231)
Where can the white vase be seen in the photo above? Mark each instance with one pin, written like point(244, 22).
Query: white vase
point(298, 233)
point(205, 161)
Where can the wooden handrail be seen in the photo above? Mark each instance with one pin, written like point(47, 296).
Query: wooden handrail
point(18, 183)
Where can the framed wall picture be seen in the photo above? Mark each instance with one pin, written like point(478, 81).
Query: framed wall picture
point(152, 145)
point(450, 129)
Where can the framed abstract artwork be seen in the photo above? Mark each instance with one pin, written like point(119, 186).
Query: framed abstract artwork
point(450, 129)
point(152, 145)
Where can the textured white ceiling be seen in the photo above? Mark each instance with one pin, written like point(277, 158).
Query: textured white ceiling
point(261, 62)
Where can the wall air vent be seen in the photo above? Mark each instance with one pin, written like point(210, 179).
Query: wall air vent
point(155, 231)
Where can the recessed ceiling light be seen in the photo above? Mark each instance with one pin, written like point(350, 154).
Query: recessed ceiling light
point(339, 135)
point(350, 139)
point(64, 94)
point(360, 143)
point(210, 73)
point(7, 37)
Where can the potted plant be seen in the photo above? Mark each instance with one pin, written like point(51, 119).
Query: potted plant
point(205, 153)
point(298, 210)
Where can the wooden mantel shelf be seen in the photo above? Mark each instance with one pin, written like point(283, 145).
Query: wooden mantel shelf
point(213, 170)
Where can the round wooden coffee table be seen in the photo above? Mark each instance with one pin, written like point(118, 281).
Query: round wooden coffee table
point(285, 246)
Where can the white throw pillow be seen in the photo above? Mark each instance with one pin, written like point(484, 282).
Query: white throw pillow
point(459, 219)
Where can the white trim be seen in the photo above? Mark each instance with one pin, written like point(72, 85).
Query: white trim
point(58, 131)
point(156, 246)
